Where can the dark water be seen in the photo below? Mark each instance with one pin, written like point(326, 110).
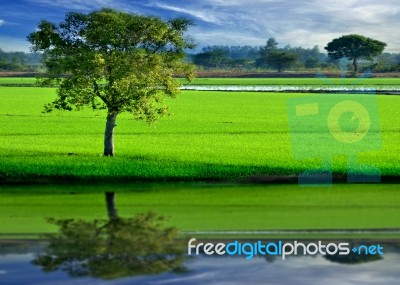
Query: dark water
point(16, 268)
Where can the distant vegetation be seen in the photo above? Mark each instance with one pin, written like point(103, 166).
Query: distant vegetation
point(20, 61)
point(275, 58)
point(239, 58)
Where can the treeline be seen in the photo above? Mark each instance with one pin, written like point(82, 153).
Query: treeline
point(273, 57)
point(19, 61)
point(268, 57)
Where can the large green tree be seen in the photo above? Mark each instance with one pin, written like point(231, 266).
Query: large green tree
point(113, 60)
point(354, 47)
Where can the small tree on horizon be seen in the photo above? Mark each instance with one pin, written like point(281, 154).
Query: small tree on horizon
point(113, 60)
point(280, 60)
point(274, 57)
point(354, 47)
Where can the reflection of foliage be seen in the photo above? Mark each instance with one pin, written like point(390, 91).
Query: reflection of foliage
point(113, 248)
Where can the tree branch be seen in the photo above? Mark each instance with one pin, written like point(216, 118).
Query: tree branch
point(97, 92)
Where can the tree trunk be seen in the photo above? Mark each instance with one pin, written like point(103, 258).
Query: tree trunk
point(355, 66)
point(109, 134)
point(111, 209)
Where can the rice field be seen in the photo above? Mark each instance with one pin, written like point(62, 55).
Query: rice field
point(211, 135)
point(228, 137)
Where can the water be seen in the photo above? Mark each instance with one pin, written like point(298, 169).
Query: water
point(294, 89)
point(93, 252)
point(16, 268)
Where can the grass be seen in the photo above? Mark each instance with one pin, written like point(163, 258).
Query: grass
point(227, 136)
point(212, 135)
point(207, 207)
point(17, 81)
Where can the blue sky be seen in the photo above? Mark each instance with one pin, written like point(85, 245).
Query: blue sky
point(232, 22)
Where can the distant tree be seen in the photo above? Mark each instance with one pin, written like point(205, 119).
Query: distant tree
point(309, 58)
point(113, 60)
point(227, 57)
point(311, 62)
point(272, 45)
point(280, 60)
point(386, 62)
point(3, 64)
point(354, 47)
point(274, 57)
point(212, 58)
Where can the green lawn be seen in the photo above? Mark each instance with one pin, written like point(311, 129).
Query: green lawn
point(196, 207)
point(212, 135)
point(17, 81)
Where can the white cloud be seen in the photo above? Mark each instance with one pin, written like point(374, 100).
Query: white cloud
point(1, 22)
point(299, 23)
point(218, 37)
point(304, 22)
point(202, 15)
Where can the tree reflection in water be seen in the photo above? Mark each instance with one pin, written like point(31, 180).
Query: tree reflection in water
point(354, 258)
point(113, 248)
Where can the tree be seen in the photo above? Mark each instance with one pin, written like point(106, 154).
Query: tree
point(275, 57)
point(113, 60)
point(354, 47)
point(112, 249)
point(272, 45)
point(280, 60)
point(214, 58)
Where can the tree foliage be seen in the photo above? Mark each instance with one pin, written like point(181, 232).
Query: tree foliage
point(276, 58)
point(354, 47)
point(114, 60)
point(280, 60)
point(19, 61)
point(215, 58)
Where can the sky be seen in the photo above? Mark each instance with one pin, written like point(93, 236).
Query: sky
point(304, 23)
point(303, 270)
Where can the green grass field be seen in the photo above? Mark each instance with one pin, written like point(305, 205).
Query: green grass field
point(197, 207)
point(224, 136)
point(212, 135)
point(17, 81)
